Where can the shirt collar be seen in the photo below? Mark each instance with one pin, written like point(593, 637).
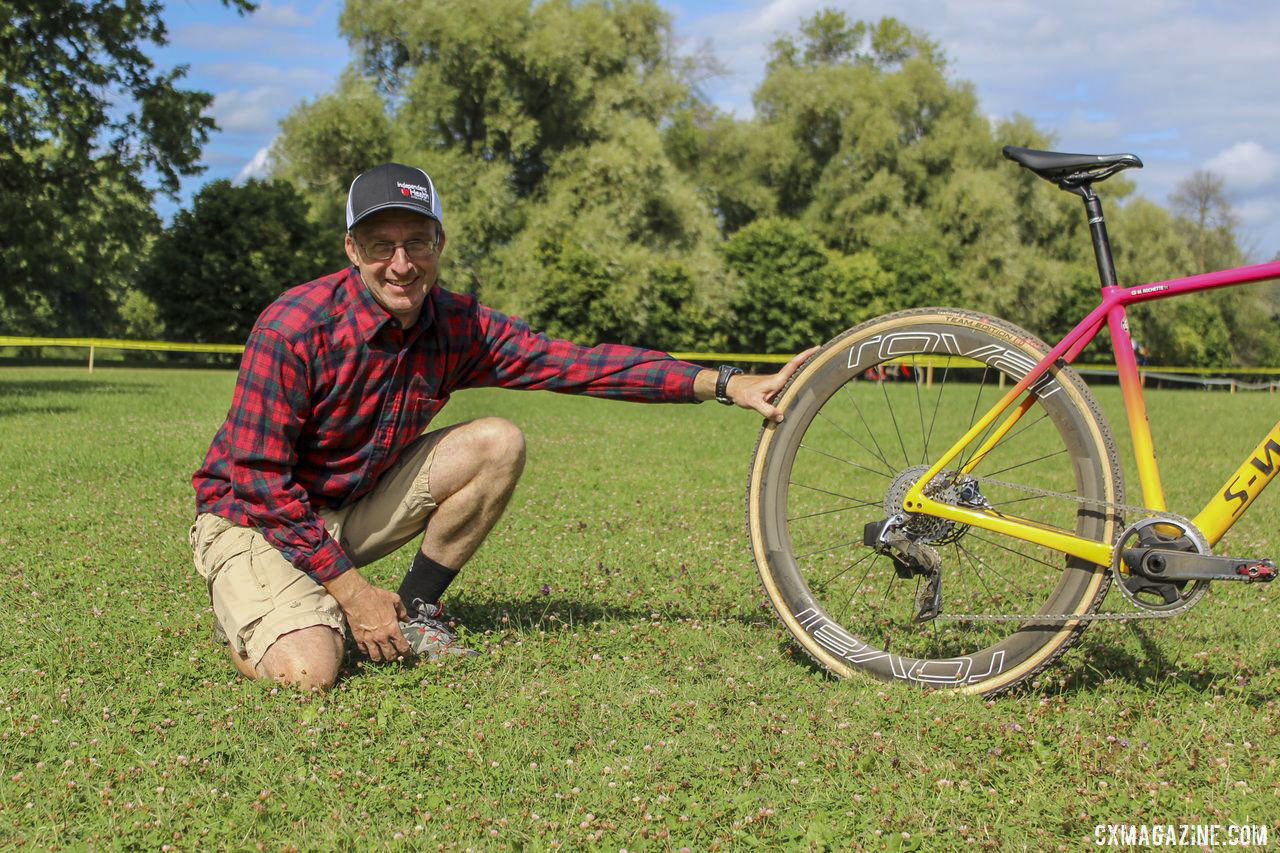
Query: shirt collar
point(365, 312)
point(370, 317)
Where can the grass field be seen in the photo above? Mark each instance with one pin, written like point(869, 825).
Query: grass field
point(634, 693)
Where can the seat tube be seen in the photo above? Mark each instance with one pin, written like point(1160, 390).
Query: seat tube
point(1136, 408)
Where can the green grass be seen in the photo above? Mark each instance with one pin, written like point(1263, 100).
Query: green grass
point(634, 692)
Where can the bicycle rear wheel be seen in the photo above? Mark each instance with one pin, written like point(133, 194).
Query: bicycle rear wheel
point(845, 455)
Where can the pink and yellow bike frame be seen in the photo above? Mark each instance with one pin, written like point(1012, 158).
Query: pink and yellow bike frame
point(1223, 509)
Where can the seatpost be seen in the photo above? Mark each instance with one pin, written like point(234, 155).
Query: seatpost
point(1098, 230)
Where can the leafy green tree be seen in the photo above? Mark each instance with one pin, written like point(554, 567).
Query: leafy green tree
point(793, 292)
point(85, 120)
point(860, 136)
point(539, 123)
point(518, 82)
point(1220, 328)
point(219, 264)
point(323, 144)
point(622, 203)
point(591, 188)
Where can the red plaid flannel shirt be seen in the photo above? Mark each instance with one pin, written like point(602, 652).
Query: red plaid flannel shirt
point(331, 389)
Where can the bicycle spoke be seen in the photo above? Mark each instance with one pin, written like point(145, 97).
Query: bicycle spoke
point(905, 459)
point(828, 512)
point(854, 564)
point(858, 588)
point(845, 461)
point(1008, 438)
point(994, 571)
point(836, 494)
point(977, 573)
point(942, 384)
point(972, 447)
point(800, 557)
point(973, 416)
point(915, 374)
point(823, 415)
point(858, 409)
point(887, 588)
point(1019, 553)
point(1028, 462)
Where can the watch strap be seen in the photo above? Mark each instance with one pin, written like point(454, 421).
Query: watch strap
point(727, 372)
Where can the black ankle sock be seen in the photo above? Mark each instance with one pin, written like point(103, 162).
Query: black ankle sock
point(426, 579)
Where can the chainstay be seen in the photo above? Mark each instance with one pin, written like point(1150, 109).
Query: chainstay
point(1125, 616)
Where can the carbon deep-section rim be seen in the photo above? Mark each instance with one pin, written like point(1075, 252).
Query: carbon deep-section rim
point(854, 438)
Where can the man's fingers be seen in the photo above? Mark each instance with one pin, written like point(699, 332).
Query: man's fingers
point(401, 613)
point(794, 364)
point(401, 644)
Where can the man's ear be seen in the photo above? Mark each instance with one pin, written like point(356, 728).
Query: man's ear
point(350, 245)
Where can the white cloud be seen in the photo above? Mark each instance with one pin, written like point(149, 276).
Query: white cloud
point(1177, 82)
point(257, 167)
point(1245, 165)
point(293, 76)
point(1258, 211)
point(248, 37)
point(255, 111)
point(286, 15)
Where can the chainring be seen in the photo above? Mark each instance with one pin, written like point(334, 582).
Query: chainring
point(1174, 596)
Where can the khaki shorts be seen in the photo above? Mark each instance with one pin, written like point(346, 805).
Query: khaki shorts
point(258, 595)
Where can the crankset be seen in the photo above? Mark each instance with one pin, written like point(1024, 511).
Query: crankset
point(1160, 565)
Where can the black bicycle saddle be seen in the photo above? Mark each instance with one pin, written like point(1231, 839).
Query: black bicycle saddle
point(1071, 169)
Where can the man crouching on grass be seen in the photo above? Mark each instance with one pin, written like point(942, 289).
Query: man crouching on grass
point(324, 463)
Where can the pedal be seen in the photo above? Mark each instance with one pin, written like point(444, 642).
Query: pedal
point(1165, 566)
point(1264, 571)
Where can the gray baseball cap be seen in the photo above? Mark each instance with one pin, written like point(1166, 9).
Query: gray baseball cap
point(392, 185)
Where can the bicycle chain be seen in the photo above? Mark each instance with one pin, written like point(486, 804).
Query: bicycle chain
point(1126, 616)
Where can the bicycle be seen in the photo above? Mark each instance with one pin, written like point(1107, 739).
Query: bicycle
point(977, 567)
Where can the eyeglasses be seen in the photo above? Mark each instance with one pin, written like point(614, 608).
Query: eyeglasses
point(383, 250)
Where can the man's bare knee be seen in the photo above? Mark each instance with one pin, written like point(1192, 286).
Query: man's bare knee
point(501, 442)
point(242, 664)
point(307, 658)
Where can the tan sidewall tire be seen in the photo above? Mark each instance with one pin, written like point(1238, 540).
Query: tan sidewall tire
point(1083, 585)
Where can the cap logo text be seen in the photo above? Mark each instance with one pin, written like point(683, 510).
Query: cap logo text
point(415, 191)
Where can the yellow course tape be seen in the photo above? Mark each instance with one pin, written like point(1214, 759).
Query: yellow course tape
point(919, 360)
point(107, 343)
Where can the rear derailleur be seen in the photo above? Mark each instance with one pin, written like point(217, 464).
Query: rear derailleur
point(911, 559)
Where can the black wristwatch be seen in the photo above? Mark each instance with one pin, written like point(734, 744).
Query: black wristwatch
point(722, 383)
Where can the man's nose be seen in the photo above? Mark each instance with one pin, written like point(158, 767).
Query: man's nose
point(400, 259)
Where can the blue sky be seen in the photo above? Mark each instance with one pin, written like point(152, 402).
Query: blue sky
point(1185, 85)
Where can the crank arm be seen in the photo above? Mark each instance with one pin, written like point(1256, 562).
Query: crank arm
point(1160, 565)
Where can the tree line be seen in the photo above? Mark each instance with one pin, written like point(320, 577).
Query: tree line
point(591, 187)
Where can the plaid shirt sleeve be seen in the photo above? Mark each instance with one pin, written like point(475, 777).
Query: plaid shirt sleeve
point(270, 405)
point(507, 353)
